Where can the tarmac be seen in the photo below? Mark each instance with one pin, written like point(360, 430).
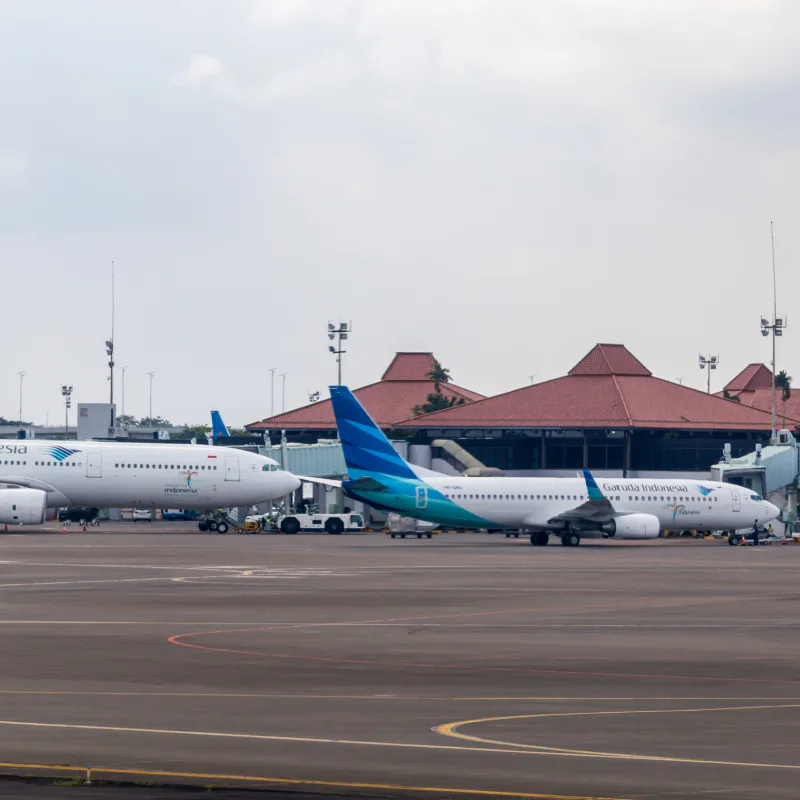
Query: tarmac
point(469, 665)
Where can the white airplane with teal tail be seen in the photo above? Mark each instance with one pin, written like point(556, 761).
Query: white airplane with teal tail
point(571, 508)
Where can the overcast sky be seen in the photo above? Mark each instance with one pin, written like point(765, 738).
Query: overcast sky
point(503, 182)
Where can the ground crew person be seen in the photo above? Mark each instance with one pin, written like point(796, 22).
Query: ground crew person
point(755, 534)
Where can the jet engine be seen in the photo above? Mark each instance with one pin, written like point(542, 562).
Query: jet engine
point(22, 506)
point(633, 526)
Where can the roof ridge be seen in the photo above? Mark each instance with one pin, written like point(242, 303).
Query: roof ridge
point(622, 398)
point(486, 398)
point(602, 350)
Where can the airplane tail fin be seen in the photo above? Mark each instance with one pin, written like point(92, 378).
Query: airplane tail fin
point(367, 451)
point(218, 427)
point(592, 489)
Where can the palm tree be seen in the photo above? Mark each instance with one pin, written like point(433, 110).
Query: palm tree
point(784, 383)
point(438, 375)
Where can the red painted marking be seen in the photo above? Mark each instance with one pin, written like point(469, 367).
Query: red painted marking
point(178, 640)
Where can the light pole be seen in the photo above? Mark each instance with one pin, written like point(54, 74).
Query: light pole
point(283, 391)
point(777, 327)
point(708, 362)
point(110, 354)
point(151, 396)
point(123, 390)
point(342, 332)
point(110, 343)
point(21, 374)
point(272, 391)
point(66, 393)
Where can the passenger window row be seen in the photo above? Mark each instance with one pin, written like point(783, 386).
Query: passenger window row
point(56, 463)
point(575, 497)
point(581, 497)
point(643, 499)
point(164, 466)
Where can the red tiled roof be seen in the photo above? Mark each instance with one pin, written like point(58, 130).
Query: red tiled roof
point(762, 399)
point(594, 399)
point(752, 377)
point(409, 367)
point(387, 402)
point(609, 359)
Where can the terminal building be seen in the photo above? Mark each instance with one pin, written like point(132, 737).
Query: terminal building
point(403, 386)
point(608, 413)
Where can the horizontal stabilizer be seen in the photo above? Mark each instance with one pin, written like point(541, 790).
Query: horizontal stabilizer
point(367, 485)
point(321, 481)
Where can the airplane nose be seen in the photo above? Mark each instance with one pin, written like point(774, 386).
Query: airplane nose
point(772, 511)
point(292, 482)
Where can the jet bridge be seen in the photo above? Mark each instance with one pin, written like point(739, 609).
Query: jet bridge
point(772, 471)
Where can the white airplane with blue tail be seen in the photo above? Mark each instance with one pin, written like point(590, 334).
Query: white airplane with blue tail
point(571, 508)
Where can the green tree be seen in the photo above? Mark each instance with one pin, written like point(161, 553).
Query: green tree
point(199, 432)
point(436, 401)
point(438, 375)
point(154, 422)
point(127, 419)
point(784, 383)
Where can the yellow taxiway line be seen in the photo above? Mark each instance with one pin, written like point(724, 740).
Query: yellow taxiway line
point(451, 729)
point(208, 776)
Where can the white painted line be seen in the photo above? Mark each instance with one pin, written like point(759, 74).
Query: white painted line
point(508, 750)
point(76, 582)
point(262, 623)
point(262, 737)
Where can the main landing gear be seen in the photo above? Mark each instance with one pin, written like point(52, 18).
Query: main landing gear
point(570, 539)
point(540, 538)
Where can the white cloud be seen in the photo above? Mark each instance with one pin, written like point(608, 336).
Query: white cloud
point(200, 70)
point(314, 75)
point(298, 12)
point(13, 170)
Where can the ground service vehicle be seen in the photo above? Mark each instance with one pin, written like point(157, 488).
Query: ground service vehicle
point(400, 527)
point(178, 513)
point(330, 523)
point(77, 514)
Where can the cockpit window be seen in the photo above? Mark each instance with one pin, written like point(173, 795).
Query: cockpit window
point(269, 468)
point(755, 497)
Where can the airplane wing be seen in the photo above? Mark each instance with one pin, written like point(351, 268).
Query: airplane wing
point(597, 508)
point(27, 483)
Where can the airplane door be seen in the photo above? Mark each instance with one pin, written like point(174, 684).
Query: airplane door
point(94, 465)
point(737, 506)
point(422, 496)
point(231, 468)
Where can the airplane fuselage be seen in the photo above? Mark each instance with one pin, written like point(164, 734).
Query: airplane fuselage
point(533, 503)
point(114, 474)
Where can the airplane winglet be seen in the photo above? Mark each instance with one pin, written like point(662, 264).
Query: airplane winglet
point(592, 488)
